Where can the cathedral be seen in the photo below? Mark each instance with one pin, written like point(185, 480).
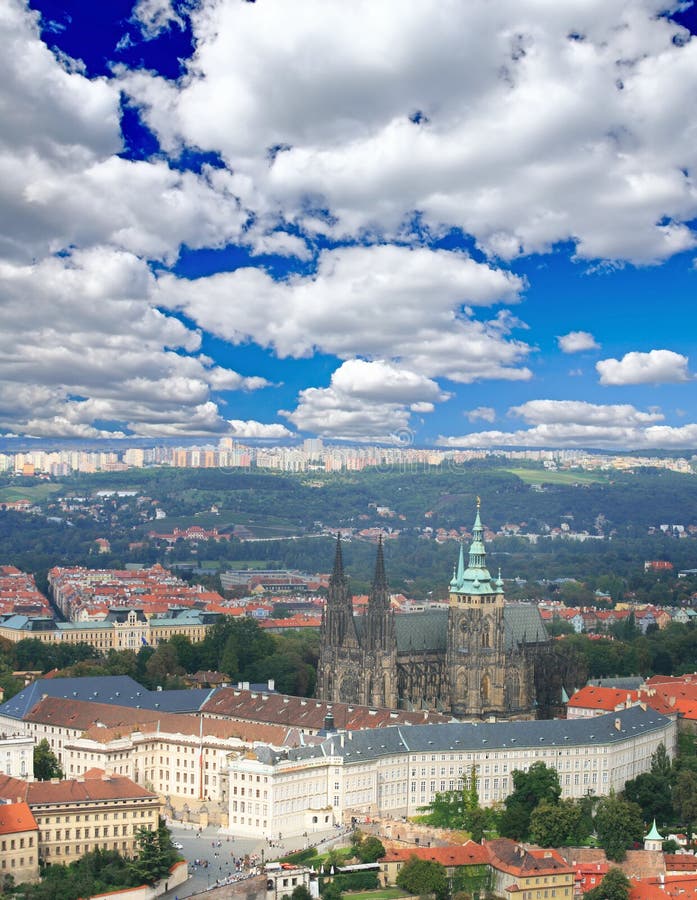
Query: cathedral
point(475, 659)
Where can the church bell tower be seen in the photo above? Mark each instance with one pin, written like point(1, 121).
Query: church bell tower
point(476, 659)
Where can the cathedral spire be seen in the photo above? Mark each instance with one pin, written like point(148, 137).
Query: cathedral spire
point(461, 563)
point(472, 576)
point(338, 571)
point(379, 579)
point(379, 634)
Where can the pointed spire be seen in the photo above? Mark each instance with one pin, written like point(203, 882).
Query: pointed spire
point(380, 579)
point(338, 571)
point(477, 520)
point(461, 564)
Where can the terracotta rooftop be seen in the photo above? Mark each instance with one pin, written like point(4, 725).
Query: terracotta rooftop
point(606, 699)
point(307, 713)
point(683, 887)
point(16, 817)
point(680, 862)
point(469, 854)
point(512, 857)
point(105, 722)
point(116, 787)
point(100, 787)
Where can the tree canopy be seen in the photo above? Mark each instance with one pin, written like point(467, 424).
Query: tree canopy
point(529, 789)
point(46, 765)
point(423, 876)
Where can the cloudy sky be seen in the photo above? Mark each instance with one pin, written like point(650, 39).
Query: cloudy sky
point(461, 224)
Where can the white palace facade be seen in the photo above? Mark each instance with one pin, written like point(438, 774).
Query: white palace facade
point(394, 771)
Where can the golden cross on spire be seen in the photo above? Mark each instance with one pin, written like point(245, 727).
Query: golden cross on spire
point(479, 502)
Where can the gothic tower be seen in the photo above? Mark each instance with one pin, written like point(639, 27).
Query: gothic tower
point(476, 651)
point(380, 641)
point(339, 667)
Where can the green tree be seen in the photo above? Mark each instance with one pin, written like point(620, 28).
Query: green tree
point(529, 789)
point(331, 891)
point(615, 886)
point(618, 824)
point(162, 665)
point(300, 892)
point(46, 765)
point(652, 794)
point(370, 849)
point(155, 853)
point(686, 798)
point(423, 876)
point(558, 824)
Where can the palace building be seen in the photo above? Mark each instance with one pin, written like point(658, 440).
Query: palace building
point(477, 658)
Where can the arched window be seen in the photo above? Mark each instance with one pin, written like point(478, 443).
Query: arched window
point(485, 688)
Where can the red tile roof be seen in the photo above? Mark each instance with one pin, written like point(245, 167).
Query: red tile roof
point(104, 722)
point(509, 856)
point(306, 713)
point(16, 817)
point(606, 699)
point(469, 854)
point(114, 787)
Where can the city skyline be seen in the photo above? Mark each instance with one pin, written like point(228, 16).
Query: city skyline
point(440, 224)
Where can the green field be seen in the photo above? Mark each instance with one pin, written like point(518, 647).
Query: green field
point(540, 476)
point(35, 492)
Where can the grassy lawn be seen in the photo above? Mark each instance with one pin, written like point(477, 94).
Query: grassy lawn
point(540, 476)
point(36, 492)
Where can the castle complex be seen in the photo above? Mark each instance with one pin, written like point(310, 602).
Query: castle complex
point(475, 659)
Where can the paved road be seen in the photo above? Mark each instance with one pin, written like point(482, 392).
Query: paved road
point(221, 860)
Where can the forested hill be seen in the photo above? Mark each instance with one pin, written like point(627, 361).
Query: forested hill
point(628, 502)
point(289, 512)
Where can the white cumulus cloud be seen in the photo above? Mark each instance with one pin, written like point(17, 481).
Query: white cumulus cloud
point(573, 423)
point(577, 341)
point(590, 142)
point(249, 428)
point(365, 400)
point(483, 413)
point(82, 344)
point(654, 367)
point(381, 302)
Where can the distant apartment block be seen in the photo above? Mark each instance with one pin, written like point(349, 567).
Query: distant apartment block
point(88, 595)
point(19, 594)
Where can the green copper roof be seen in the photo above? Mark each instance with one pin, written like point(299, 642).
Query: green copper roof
point(475, 579)
point(653, 835)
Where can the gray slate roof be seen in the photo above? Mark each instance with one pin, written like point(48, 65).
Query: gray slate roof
point(428, 630)
point(117, 690)
point(468, 737)
point(627, 683)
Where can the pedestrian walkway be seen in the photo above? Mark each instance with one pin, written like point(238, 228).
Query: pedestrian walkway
point(219, 858)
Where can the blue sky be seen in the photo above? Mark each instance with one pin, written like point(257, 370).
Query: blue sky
point(448, 224)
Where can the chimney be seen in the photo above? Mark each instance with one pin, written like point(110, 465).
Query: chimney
point(271, 684)
point(618, 724)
